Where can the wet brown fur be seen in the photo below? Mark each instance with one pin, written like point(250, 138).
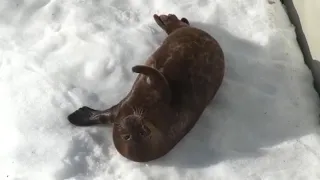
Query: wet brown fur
point(169, 95)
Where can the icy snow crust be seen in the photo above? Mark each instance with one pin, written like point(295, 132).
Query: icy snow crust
point(58, 55)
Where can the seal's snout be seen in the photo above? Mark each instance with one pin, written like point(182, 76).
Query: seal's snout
point(130, 122)
point(133, 129)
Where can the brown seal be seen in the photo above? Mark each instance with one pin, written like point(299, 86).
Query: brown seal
point(169, 95)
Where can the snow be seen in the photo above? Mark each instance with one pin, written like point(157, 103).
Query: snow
point(58, 55)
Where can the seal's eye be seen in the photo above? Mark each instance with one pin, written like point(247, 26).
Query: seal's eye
point(126, 137)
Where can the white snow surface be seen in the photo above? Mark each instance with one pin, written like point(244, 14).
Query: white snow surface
point(59, 55)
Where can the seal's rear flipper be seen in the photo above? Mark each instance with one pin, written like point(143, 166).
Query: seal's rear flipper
point(158, 81)
point(159, 22)
point(170, 22)
point(85, 116)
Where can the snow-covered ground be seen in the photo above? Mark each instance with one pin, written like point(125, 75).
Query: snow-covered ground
point(57, 55)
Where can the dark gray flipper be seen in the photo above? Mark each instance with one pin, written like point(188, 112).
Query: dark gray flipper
point(185, 20)
point(170, 22)
point(86, 116)
point(159, 22)
point(159, 82)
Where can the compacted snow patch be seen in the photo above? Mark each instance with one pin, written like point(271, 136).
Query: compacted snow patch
point(58, 55)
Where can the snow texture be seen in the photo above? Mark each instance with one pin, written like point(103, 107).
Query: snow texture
point(58, 55)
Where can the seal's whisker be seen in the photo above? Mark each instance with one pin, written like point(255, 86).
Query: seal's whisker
point(138, 112)
point(117, 126)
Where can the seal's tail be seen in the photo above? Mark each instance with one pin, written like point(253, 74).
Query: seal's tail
point(158, 81)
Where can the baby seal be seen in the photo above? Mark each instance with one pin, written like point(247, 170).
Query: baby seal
point(169, 95)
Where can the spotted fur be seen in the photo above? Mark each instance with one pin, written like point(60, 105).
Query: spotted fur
point(172, 90)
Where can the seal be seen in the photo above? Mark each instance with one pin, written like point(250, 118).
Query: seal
point(169, 95)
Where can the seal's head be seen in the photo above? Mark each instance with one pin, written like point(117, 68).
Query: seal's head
point(137, 139)
point(170, 22)
point(133, 129)
point(134, 134)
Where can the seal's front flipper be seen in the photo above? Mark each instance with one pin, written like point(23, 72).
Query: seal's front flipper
point(158, 81)
point(85, 116)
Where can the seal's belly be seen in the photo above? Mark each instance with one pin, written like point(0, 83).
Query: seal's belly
point(194, 69)
point(192, 62)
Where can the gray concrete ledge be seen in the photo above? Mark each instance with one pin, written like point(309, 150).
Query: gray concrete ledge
point(296, 17)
